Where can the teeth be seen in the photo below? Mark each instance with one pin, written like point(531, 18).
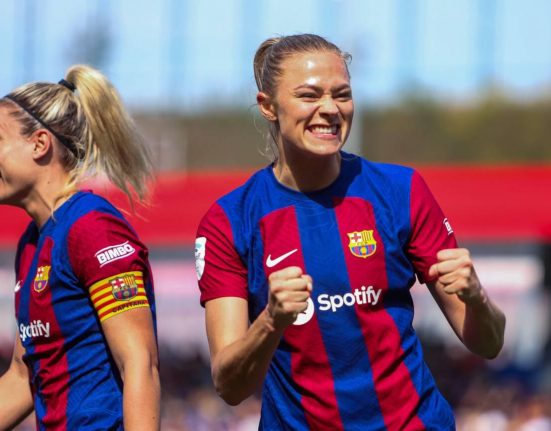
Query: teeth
point(325, 129)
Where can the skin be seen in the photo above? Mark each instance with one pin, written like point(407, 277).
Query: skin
point(476, 320)
point(312, 94)
point(31, 177)
point(30, 173)
point(132, 342)
point(15, 392)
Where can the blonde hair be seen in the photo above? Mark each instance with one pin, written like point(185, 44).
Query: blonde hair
point(273, 51)
point(96, 134)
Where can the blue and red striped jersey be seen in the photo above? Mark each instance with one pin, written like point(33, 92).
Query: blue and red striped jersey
point(85, 265)
point(352, 360)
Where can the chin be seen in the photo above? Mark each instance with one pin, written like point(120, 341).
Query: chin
point(324, 150)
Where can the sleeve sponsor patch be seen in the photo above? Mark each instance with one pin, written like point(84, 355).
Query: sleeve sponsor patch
point(200, 251)
point(118, 293)
point(220, 269)
point(114, 252)
point(430, 230)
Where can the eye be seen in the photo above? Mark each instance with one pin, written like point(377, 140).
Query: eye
point(344, 96)
point(307, 95)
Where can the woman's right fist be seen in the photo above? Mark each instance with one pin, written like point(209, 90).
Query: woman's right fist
point(289, 293)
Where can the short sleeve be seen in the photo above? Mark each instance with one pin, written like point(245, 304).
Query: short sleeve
point(220, 269)
point(430, 229)
point(110, 261)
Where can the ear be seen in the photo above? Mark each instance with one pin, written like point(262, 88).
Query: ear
point(266, 106)
point(42, 142)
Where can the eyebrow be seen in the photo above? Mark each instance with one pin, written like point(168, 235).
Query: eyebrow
point(318, 88)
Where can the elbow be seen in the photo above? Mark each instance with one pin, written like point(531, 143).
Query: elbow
point(499, 337)
point(231, 399)
point(491, 352)
point(487, 351)
point(146, 365)
point(492, 347)
point(231, 394)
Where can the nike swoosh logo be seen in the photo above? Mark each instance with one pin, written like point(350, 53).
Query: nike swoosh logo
point(17, 286)
point(273, 262)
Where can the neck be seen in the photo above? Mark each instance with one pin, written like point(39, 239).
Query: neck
point(45, 197)
point(307, 174)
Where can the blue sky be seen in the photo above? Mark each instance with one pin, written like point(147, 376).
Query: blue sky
point(195, 55)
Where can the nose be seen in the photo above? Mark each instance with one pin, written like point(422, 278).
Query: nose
point(328, 106)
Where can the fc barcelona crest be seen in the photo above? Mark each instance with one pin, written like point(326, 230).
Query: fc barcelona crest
point(41, 278)
point(362, 244)
point(124, 288)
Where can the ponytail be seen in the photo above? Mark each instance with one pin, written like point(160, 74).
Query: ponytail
point(112, 144)
point(85, 114)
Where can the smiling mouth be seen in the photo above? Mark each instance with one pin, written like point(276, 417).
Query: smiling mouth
point(324, 130)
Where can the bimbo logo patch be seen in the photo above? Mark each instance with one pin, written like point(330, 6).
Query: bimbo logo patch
point(34, 329)
point(114, 252)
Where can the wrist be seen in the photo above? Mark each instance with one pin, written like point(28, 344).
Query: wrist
point(269, 321)
point(476, 299)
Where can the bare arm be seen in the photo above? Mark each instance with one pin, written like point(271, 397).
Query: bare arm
point(16, 401)
point(132, 342)
point(478, 322)
point(241, 354)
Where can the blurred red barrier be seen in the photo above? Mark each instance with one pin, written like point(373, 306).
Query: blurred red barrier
point(494, 203)
point(483, 203)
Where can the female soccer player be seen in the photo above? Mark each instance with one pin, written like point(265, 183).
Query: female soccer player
point(85, 354)
point(318, 251)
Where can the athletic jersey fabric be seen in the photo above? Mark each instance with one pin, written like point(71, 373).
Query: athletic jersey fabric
point(352, 360)
point(85, 265)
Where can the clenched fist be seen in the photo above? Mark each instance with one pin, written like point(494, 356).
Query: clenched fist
point(289, 293)
point(455, 274)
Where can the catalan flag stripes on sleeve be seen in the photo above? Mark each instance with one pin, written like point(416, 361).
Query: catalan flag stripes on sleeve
point(118, 293)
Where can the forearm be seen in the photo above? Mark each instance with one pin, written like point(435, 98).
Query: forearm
point(141, 396)
point(239, 368)
point(483, 328)
point(478, 322)
point(16, 401)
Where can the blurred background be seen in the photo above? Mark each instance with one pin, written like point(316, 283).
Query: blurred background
point(459, 90)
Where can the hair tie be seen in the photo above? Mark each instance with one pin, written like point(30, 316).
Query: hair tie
point(68, 85)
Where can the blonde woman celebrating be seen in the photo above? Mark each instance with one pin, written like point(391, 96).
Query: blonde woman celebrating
point(305, 270)
point(85, 354)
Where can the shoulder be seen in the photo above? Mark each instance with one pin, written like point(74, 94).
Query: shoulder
point(94, 220)
point(387, 172)
point(256, 184)
point(88, 212)
point(236, 204)
point(85, 202)
point(369, 175)
point(101, 243)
